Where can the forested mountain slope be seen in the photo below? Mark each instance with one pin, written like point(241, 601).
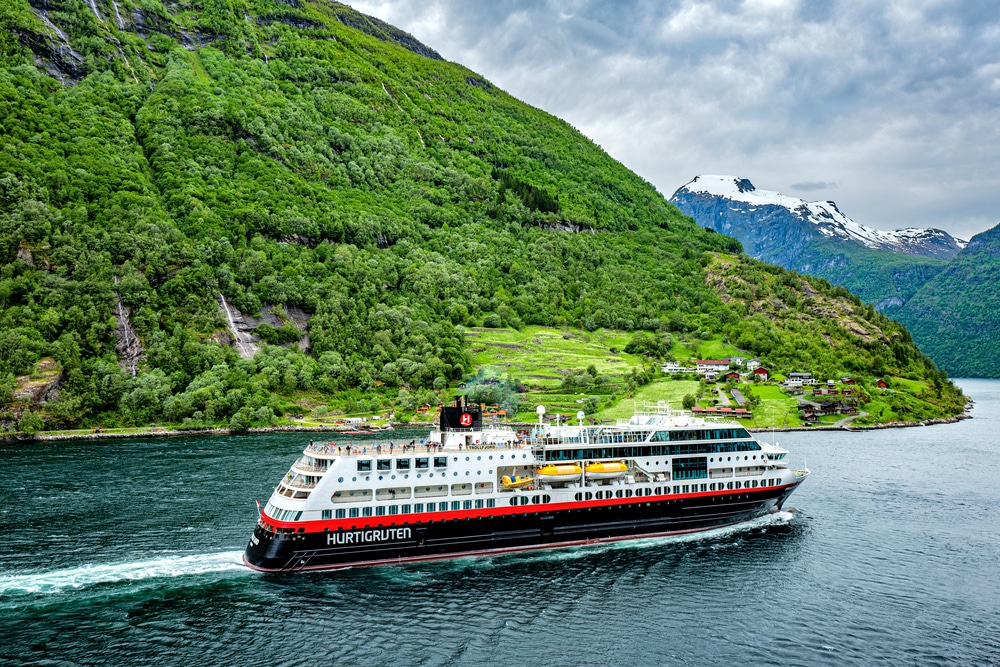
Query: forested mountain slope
point(350, 193)
point(956, 315)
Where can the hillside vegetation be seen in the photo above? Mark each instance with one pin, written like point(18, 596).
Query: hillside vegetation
point(298, 157)
point(956, 315)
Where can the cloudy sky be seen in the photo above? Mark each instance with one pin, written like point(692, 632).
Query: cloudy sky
point(891, 108)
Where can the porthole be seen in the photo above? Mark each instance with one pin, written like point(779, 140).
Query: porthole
point(340, 480)
point(466, 458)
point(480, 458)
point(354, 479)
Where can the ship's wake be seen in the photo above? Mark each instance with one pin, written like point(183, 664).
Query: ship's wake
point(86, 576)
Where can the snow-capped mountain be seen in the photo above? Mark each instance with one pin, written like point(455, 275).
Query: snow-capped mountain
point(733, 206)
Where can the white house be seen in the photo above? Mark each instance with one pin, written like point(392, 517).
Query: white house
point(670, 367)
point(712, 365)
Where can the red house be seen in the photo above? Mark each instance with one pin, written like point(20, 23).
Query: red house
point(760, 373)
point(881, 384)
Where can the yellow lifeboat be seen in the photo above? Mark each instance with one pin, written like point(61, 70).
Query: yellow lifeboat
point(516, 482)
point(609, 470)
point(566, 472)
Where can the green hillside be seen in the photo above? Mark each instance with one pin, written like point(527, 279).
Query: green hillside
point(361, 200)
point(956, 316)
point(883, 278)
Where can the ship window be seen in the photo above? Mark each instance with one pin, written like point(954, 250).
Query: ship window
point(354, 512)
point(393, 509)
point(546, 499)
point(402, 464)
point(467, 504)
point(589, 496)
point(535, 500)
point(440, 461)
point(423, 463)
point(455, 504)
point(729, 485)
point(327, 514)
point(366, 511)
point(479, 504)
point(513, 501)
point(686, 488)
point(340, 514)
point(431, 507)
point(703, 487)
point(418, 507)
point(380, 510)
point(677, 489)
point(364, 465)
point(618, 493)
point(491, 502)
point(383, 464)
point(578, 497)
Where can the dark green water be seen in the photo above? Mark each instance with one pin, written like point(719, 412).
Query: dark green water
point(127, 553)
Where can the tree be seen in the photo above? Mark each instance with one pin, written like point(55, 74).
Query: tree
point(30, 423)
point(689, 401)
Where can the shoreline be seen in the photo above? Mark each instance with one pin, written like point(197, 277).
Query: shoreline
point(161, 432)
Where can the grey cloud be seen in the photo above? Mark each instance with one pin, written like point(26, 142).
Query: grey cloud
point(807, 186)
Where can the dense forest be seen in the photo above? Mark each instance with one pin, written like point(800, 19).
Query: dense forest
point(159, 159)
point(956, 315)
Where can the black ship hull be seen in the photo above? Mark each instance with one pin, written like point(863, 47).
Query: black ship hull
point(375, 541)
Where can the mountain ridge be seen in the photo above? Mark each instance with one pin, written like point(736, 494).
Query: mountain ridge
point(826, 217)
point(360, 202)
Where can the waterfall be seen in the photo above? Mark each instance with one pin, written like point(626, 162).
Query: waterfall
point(93, 6)
point(118, 16)
point(243, 342)
point(129, 347)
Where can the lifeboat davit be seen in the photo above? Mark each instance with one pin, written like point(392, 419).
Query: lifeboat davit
point(609, 470)
point(516, 482)
point(566, 472)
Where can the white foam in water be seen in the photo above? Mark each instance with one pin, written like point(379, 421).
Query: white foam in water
point(89, 575)
point(779, 518)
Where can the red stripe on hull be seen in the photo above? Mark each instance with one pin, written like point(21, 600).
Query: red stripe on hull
point(411, 519)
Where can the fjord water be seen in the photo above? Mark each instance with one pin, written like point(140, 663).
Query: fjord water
point(128, 553)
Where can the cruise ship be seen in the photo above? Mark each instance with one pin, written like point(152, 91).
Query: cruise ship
point(470, 489)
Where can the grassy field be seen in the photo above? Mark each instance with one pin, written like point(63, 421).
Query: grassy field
point(671, 391)
point(776, 408)
point(541, 356)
